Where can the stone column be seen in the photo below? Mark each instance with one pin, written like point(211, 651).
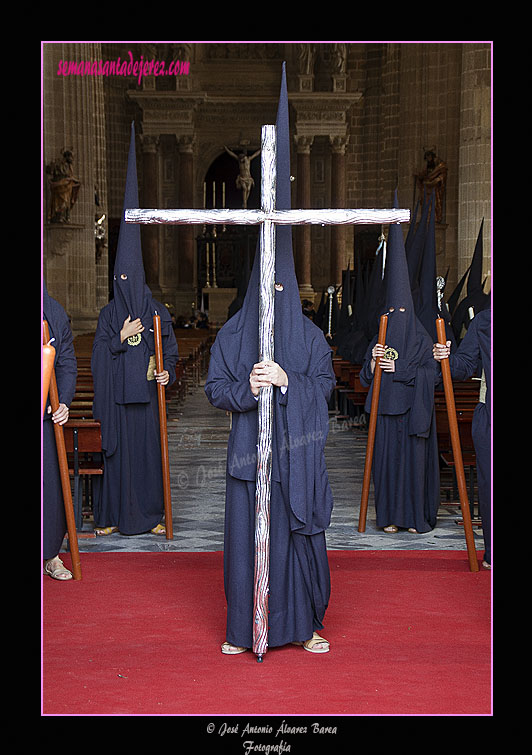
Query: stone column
point(475, 157)
point(150, 198)
point(186, 244)
point(303, 232)
point(72, 123)
point(338, 145)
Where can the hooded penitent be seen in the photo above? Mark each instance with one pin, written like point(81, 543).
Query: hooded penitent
point(405, 461)
point(53, 512)
point(125, 395)
point(132, 297)
point(299, 347)
point(301, 499)
point(406, 338)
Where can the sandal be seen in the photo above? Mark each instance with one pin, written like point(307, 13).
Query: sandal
point(228, 649)
point(159, 530)
point(314, 640)
point(105, 530)
point(413, 530)
point(56, 569)
point(391, 529)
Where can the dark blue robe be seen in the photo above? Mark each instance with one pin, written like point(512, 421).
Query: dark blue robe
point(53, 513)
point(405, 468)
point(405, 458)
point(131, 493)
point(475, 351)
point(301, 499)
point(125, 392)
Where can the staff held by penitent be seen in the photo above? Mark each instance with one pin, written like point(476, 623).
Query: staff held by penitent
point(377, 376)
point(457, 450)
point(63, 468)
point(161, 396)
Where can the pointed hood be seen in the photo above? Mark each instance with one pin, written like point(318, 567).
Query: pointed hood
point(320, 312)
point(404, 331)
point(345, 319)
point(399, 302)
point(132, 297)
point(347, 295)
point(46, 302)
point(411, 228)
point(239, 336)
point(368, 307)
point(415, 250)
point(455, 296)
point(426, 305)
point(474, 279)
point(131, 294)
point(376, 294)
point(475, 296)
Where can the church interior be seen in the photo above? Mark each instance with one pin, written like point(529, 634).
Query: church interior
point(367, 119)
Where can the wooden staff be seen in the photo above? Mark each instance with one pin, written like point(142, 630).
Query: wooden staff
point(63, 470)
point(161, 395)
point(48, 356)
point(457, 450)
point(377, 375)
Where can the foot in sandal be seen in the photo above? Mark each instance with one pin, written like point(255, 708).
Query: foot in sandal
point(228, 649)
point(391, 529)
point(316, 644)
point(160, 529)
point(105, 530)
point(56, 569)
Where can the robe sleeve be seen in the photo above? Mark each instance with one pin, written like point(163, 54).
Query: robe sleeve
point(106, 343)
point(425, 380)
point(366, 375)
point(422, 409)
point(170, 349)
point(226, 392)
point(464, 363)
point(307, 424)
point(65, 365)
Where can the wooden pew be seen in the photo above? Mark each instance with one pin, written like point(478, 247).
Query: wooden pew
point(194, 350)
point(350, 393)
point(466, 394)
point(83, 441)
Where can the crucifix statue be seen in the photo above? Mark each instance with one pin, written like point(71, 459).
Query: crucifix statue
point(267, 217)
point(244, 179)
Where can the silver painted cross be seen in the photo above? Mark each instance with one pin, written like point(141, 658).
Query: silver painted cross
point(267, 217)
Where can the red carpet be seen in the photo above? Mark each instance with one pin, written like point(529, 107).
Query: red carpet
point(410, 634)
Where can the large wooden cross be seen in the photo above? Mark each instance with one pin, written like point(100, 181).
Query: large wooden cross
point(268, 218)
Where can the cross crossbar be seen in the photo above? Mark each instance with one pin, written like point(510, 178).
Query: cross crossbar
point(279, 217)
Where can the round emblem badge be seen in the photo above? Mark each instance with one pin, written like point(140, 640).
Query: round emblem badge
point(134, 340)
point(391, 353)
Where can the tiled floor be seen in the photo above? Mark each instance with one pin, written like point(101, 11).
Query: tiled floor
point(197, 438)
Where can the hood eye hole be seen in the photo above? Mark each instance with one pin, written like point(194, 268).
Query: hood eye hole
point(124, 277)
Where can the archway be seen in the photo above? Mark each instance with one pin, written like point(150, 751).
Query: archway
point(224, 253)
